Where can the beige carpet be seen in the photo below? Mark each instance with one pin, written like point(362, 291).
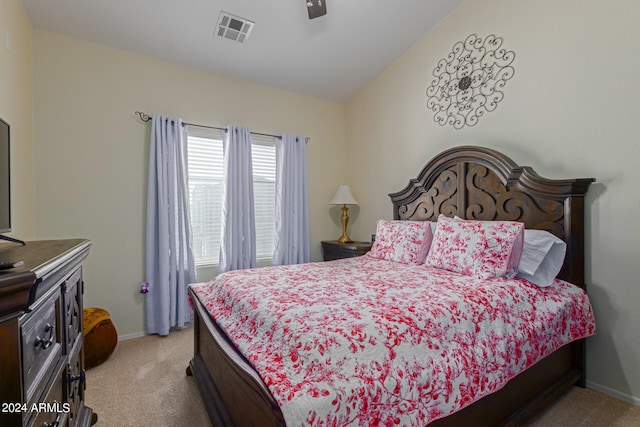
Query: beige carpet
point(144, 384)
point(588, 408)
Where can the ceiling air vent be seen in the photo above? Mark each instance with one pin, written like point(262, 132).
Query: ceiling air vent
point(233, 27)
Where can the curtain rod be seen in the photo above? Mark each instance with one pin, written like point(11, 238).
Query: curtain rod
point(146, 118)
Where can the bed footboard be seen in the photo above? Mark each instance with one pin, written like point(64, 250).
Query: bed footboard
point(232, 391)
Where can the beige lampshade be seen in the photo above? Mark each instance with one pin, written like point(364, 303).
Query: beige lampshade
point(343, 197)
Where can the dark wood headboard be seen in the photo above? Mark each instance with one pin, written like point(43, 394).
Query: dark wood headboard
point(480, 183)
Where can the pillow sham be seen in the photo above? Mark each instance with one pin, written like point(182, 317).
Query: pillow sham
point(484, 249)
point(542, 257)
point(402, 241)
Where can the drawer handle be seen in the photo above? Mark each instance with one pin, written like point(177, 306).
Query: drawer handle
point(73, 378)
point(55, 423)
point(46, 343)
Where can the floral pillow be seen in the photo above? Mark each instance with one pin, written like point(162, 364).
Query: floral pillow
point(402, 241)
point(484, 249)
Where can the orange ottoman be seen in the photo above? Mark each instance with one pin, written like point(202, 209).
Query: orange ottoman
point(100, 336)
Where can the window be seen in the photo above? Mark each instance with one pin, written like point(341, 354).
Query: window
point(205, 156)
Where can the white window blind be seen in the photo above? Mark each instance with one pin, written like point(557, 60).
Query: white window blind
point(205, 164)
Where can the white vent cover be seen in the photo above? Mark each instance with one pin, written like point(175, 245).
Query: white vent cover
point(233, 27)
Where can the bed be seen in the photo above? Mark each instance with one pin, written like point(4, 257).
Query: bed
point(473, 183)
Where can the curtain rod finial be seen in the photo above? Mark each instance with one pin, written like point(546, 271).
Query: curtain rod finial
point(144, 117)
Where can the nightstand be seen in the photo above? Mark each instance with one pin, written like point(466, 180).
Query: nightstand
point(332, 249)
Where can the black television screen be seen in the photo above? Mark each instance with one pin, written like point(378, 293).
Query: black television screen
point(5, 179)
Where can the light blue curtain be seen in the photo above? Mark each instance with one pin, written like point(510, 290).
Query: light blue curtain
point(291, 235)
point(170, 265)
point(238, 234)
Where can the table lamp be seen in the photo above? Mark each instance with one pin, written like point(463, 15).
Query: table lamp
point(344, 197)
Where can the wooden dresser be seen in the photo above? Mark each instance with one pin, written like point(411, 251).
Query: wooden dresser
point(41, 339)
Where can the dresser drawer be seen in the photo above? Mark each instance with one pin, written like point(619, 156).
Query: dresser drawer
point(53, 408)
point(41, 345)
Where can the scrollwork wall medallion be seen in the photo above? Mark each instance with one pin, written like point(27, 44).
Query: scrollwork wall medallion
point(469, 82)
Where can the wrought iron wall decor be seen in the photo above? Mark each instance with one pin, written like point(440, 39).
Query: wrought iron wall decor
point(469, 81)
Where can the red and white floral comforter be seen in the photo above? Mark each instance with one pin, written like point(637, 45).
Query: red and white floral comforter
point(367, 342)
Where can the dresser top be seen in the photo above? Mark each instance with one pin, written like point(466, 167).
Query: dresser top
point(43, 259)
point(41, 256)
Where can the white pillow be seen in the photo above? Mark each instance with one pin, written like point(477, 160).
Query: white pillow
point(542, 257)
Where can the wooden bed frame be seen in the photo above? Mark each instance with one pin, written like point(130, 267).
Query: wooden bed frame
point(472, 183)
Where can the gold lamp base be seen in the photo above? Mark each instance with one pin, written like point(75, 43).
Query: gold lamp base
point(345, 221)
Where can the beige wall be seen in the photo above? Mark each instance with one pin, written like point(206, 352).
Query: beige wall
point(16, 108)
point(91, 152)
point(571, 110)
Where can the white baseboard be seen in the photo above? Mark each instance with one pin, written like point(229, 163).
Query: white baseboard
point(142, 333)
point(614, 393)
point(130, 336)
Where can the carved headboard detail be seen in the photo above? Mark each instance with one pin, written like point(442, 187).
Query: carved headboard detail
point(480, 183)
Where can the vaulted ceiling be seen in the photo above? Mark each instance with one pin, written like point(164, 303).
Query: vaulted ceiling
point(330, 57)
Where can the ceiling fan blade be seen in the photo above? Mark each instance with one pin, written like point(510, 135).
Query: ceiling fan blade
point(316, 8)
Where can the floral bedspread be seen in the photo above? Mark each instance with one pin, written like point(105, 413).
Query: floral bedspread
point(366, 342)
